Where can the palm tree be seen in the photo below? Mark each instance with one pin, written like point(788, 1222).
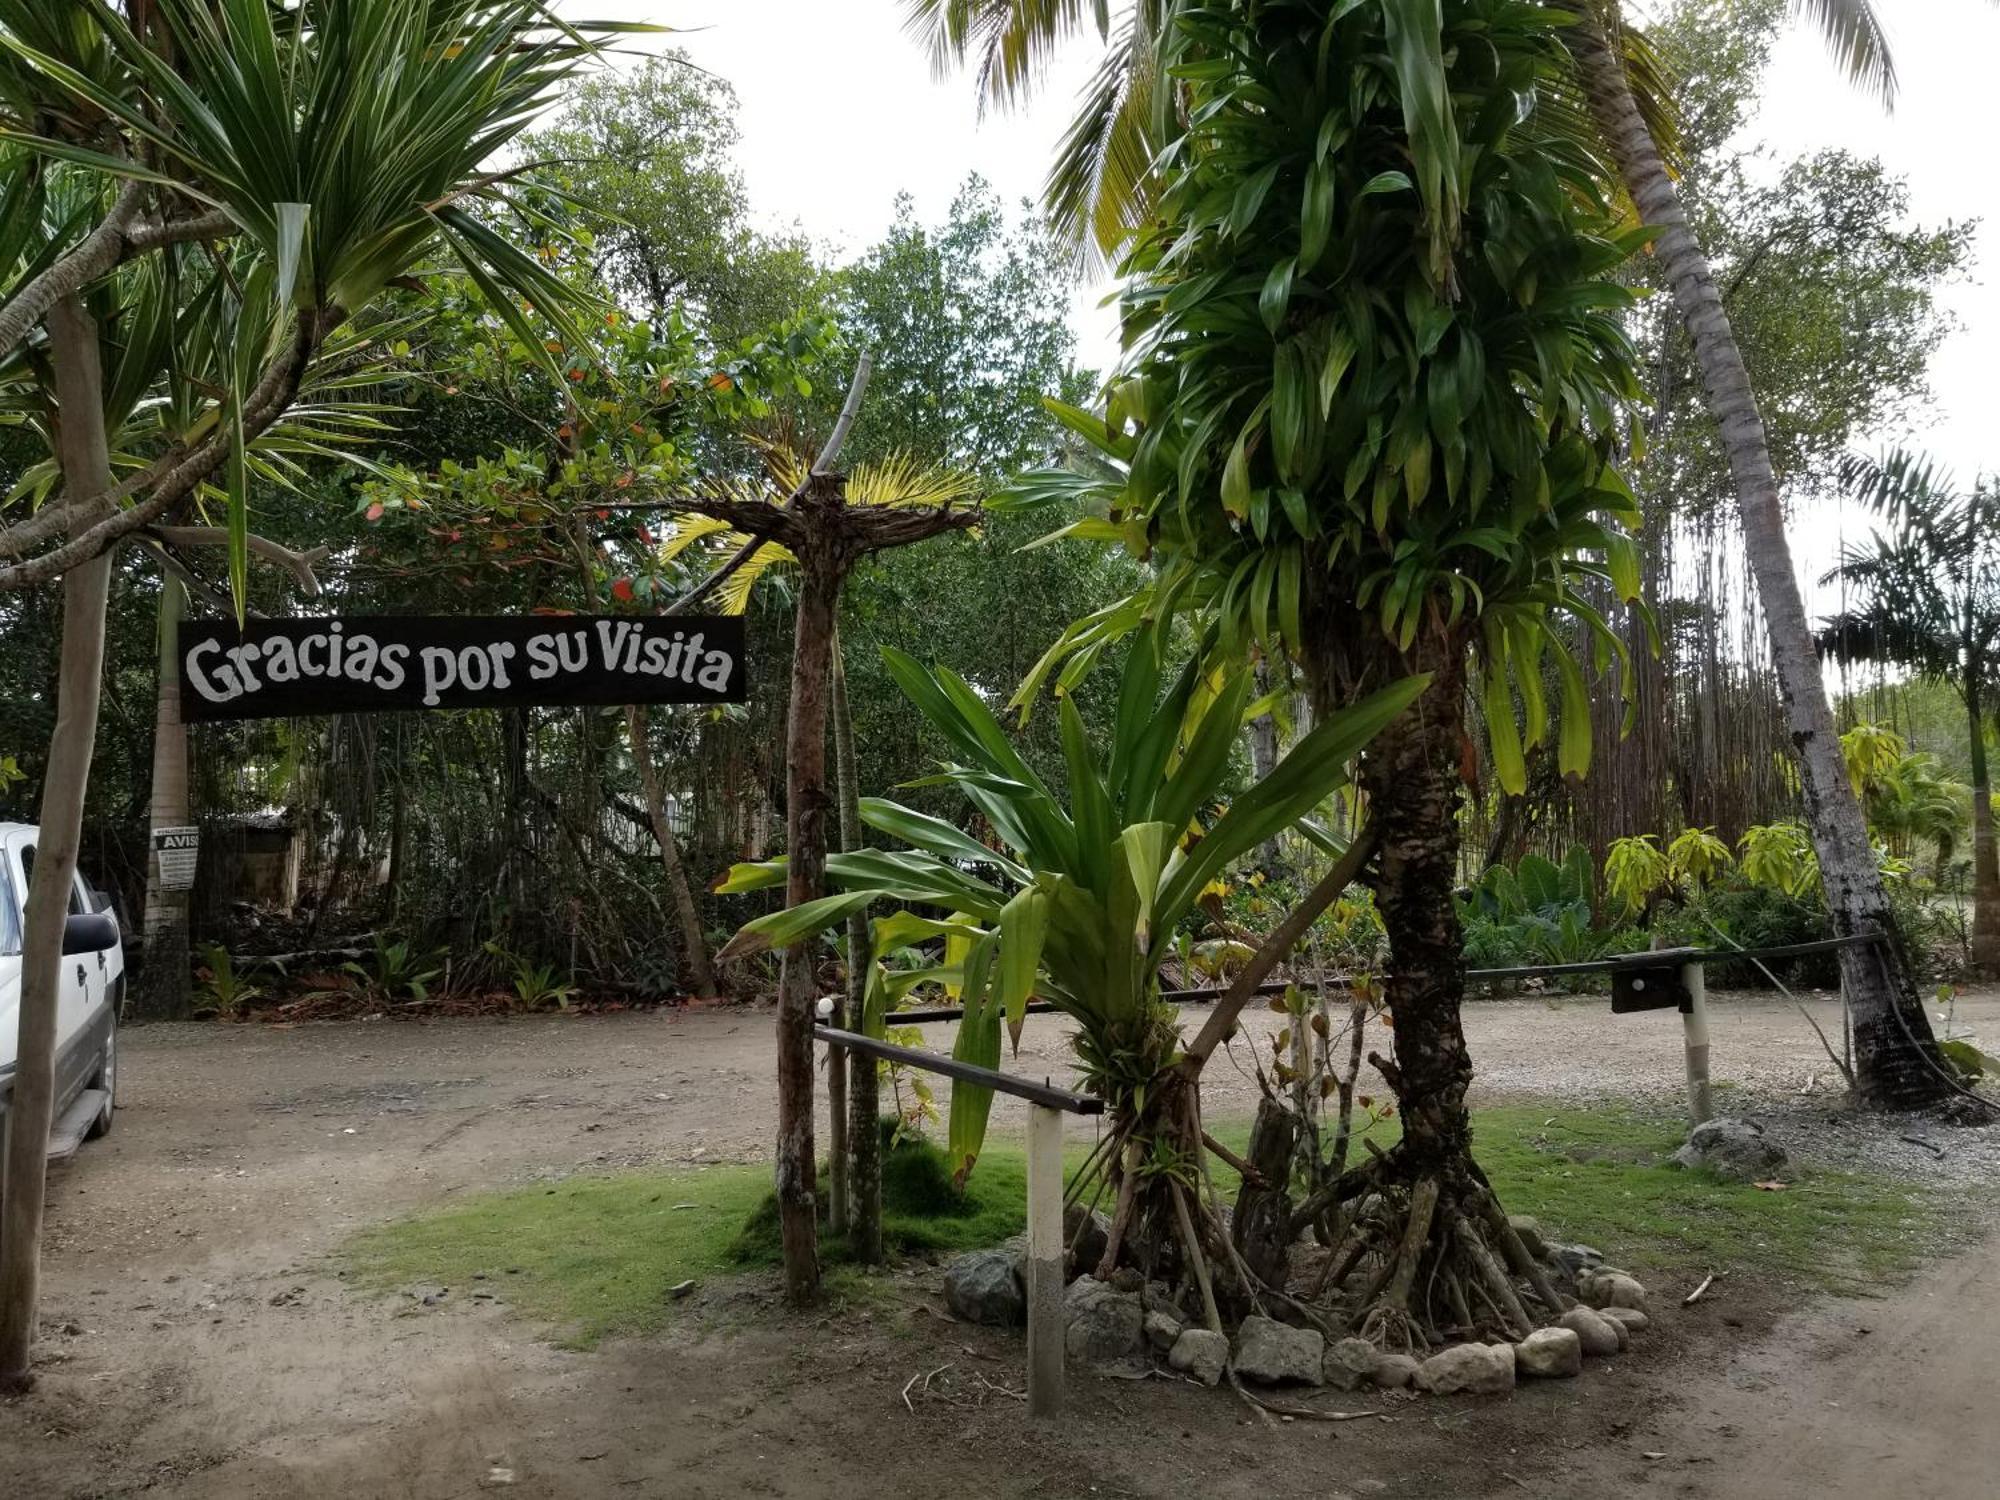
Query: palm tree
point(236, 182)
point(1895, 1053)
point(1124, 116)
point(1928, 581)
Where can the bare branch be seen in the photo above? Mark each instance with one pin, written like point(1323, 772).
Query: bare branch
point(95, 254)
point(214, 225)
point(715, 580)
point(298, 564)
point(182, 470)
point(1282, 940)
point(849, 410)
point(196, 585)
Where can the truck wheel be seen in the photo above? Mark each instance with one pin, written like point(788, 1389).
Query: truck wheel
point(106, 1078)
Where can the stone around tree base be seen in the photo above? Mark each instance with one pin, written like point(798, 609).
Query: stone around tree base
point(1275, 1353)
point(1392, 1372)
point(1104, 1324)
point(1599, 1334)
point(1550, 1354)
point(1477, 1369)
point(1202, 1353)
point(1349, 1362)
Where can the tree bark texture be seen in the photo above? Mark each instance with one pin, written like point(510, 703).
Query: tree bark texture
point(1985, 854)
point(694, 945)
point(847, 1007)
point(163, 991)
point(805, 843)
point(1897, 1065)
point(85, 459)
point(1411, 777)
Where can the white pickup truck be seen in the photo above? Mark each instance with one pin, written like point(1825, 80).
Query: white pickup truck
point(93, 989)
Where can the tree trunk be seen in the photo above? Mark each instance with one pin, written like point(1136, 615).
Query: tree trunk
point(1263, 759)
point(864, 1074)
point(1897, 1065)
point(847, 1007)
point(1411, 777)
point(1985, 856)
point(805, 848)
point(163, 991)
point(86, 470)
point(694, 946)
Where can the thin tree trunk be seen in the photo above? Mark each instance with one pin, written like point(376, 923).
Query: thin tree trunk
point(1263, 759)
point(846, 1007)
point(163, 990)
point(1985, 856)
point(805, 847)
point(864, 1074)
point(694, 946)
point(85, 458)
point(1896, 1055)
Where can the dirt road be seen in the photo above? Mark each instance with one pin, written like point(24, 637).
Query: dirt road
point(197, 1344)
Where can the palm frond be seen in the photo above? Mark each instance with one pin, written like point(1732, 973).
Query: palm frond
point(1854, 33)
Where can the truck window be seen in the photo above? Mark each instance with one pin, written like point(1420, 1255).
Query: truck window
point(10, 913)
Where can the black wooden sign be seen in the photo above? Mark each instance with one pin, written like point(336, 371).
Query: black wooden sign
point(271, 669)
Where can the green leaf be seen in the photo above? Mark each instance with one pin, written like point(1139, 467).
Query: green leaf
point(1573, 735)
point(1502, 732)
point(781, 929)
point(1276, 297)
point(1024, 925)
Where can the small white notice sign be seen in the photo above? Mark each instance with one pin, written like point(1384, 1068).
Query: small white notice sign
point(178, 850)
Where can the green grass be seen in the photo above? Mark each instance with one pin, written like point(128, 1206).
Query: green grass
point(596, 1255)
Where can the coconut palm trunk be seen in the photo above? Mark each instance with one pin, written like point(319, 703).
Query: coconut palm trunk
point(1896, 1061)
point(1985, 854)
point(84, 453)
point(162, 990)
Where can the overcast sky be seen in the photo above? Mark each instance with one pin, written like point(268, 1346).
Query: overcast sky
point(840, 112)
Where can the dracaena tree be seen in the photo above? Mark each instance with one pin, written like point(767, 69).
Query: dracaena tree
point(1375, 381)
point(278, 167)
point(1079, 899)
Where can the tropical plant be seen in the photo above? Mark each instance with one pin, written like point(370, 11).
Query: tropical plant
point(1927, 599)
point(1080, 904)
point(535, 984)
point(222, 991)
point(1374, 383)
point(397, 971)
point(1781, 856)
point(1636, 869)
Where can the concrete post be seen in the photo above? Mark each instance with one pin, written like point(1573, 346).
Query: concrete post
point(1695, 1023)
point(1045, 1261)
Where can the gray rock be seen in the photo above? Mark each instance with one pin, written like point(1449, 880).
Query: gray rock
point(1631, 1317)
point(1550, 1354)
point(1349, 1362)
point(1202, 1353)
point(1576, 1259)
point(1096, 1230)
point(1129, 1279)
point(1530, 1232)
point(1603, 1289)
point(1734, 1150)
point(1162, 1331)
point(1273, 1352)
point(1599, 1334)
point(1479, 1369)
point(1104, 1324)
point(1393, 1371)
point(984, 1286)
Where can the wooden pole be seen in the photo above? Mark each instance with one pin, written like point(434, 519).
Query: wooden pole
point(1045, 1261)
point(1695, 1024)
